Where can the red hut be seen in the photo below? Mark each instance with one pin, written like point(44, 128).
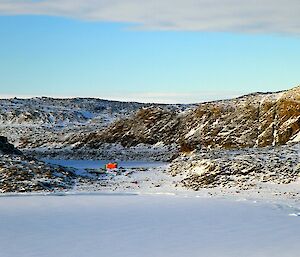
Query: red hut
point(111, 165)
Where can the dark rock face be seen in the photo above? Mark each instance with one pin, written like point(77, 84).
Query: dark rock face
point(7, 148)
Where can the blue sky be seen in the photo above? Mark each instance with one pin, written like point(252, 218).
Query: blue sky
point(68, 56)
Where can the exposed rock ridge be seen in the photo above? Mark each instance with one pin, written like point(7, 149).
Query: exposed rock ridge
point(238, 168)
point(50, 122)
point(255, 120)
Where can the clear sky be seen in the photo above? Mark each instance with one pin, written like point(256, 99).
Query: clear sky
point(62, 55)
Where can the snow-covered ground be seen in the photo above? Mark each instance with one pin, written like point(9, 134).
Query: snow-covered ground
point(133, 176)
point(97, 225)
point(152, 177)
point(143, 211)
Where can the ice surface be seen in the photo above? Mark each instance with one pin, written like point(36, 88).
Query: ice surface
point(135, 226)
point(137, 176)
point(94, 164)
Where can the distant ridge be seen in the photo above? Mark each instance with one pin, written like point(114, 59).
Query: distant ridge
point(253, 120)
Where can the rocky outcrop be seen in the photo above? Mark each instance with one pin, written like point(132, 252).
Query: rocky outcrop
point(54, 111)
point(256, 120)
point(7, 148)
point(238, 168)
point(23, 174)
point(147, 126)
point(110, 152)
point(20, 173)
point(49, 122)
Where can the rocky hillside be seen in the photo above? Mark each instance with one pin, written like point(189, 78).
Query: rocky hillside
point(241, 169)
point(23, 174)
point(255, 120)
point(53, 123)
point(147, 126)
point(60, 112)
point(20, 173)
point(260, 119)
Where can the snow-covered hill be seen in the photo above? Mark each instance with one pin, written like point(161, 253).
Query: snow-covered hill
point(53, 123)
point(229, 143)
point(260, 119)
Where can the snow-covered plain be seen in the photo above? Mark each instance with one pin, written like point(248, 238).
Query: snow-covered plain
point(144, 213)
point(145, 225)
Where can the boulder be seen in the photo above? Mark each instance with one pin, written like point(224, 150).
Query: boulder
point(7, 148)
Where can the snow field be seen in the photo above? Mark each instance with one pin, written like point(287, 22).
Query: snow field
point(144, 225)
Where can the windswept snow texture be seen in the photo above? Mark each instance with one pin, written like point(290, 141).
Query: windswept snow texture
point(135, 226)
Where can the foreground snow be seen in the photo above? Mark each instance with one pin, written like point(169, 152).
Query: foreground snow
point(136, 225)
point(142, 177)
point(150, 215)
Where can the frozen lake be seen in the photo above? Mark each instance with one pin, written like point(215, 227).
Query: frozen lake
point(145, 226)
point(138, 176)
point(94, 164)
